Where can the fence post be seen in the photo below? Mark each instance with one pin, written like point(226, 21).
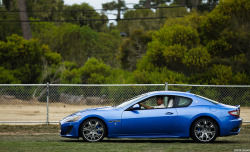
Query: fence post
point(166, 86)
point(47, 103)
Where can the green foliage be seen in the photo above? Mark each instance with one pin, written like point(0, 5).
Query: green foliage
point(71, 77)
point(209, 49)
point(211, 26)
point(205, 48)
point(158, 76)
point(221, 74)
point(7, 76)
point(8, 28)
point(81, 15)
point(120, 76)
point(77, 44)
point(132, 25)
point(94, 72)
point(25, 58)
point(197, 58)
point(174, 53)
point(218, 47)
point(177, 34)
point(113, 5)
point(142, 3)
point(170, 13)
point(235, 8)
point(133, 48)
point(106, 48)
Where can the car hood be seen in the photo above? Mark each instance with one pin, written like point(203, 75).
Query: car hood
point(99, 108)
point(94, 109)
point(91, 109)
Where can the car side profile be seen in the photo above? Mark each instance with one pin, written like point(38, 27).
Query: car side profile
point(184, 115)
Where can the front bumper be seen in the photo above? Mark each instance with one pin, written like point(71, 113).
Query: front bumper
point(69, 130)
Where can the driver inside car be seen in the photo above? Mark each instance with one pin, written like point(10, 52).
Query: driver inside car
point(159, 102)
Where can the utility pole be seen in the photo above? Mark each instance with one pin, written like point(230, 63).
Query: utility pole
point(24, 17)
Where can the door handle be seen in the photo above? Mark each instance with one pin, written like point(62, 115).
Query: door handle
point(169, 113)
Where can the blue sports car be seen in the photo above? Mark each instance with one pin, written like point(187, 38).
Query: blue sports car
point(160, 114)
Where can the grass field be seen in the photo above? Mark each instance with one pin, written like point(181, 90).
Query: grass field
point(46, 138)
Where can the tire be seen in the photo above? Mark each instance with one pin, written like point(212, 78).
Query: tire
point(204, 130)
point(93, 130)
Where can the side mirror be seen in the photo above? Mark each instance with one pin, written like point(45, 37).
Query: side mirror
point(136, 107)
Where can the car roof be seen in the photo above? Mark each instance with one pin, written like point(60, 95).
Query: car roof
point(177, 93)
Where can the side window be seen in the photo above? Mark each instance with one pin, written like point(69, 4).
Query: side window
point(155, 102)
point(150, 102)
point(184, 102)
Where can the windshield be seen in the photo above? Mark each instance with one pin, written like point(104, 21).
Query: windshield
point(131, 101)
point(215, 102)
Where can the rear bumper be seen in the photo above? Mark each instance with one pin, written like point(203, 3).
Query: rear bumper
point(233, 127)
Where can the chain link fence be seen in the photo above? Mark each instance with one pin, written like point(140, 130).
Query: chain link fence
point(49, 103)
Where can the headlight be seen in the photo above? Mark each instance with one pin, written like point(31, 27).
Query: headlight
point(71, 119)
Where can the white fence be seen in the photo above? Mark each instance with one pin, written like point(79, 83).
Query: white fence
point(48, 103)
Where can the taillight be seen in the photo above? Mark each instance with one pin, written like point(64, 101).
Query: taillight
point(235, 113)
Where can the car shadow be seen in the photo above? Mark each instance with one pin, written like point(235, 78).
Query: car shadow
point(151, 141)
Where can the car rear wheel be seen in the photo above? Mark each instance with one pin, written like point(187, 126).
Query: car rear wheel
point(93, 130)
point(204, 130)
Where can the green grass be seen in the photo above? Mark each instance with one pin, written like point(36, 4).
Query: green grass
point(46, 138)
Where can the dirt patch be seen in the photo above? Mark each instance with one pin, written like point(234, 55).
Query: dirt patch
point(26, 111)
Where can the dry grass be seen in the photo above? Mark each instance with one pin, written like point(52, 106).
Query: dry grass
point(18, 110)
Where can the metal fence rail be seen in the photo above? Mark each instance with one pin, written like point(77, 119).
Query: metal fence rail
point(48, 103)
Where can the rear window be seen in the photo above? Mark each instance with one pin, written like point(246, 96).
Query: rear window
point(184, 102)
point(210, 100)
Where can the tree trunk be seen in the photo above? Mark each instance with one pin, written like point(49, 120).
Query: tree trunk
point(24, 17)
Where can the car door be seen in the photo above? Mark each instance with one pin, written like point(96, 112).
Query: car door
point(148, 121)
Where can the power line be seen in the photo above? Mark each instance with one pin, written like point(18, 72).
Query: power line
point(154, 7)
point(126, 19)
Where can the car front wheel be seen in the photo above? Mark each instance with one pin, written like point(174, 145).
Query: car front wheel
point(204, 130)
point(93, 130)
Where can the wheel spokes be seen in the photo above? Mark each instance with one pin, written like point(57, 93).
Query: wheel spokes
point(93, 130)
point(204, 130)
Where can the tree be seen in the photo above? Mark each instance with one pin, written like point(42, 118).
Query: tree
point(23, 58)
point(130, 26)
point(150, 3)
point(120, 6)
point(133, 48)
point(85, 11)
point(94, 72)
point(7, 76)
point(49, 9)
point(225, 33)
point(78, 44)
point(8, 28)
